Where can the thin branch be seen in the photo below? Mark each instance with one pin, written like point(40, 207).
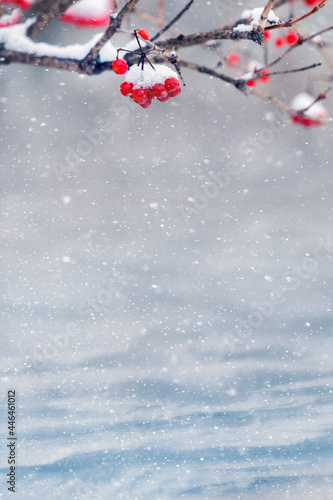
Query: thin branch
point(289, 109)
point(287, 71)
point(50, 10)
point(293, 47)
point(160, 11)
point(211, 72)
point(11, 56)
point(265, 13)
point(321, 97)
point(114, 25)
point(292, 22)
point(172, 22)
point(219, 34)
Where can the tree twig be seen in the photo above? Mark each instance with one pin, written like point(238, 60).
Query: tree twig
point(50, 10)
point(172, 22)
point(292, 22)
point(265, 13)
point(114, 25)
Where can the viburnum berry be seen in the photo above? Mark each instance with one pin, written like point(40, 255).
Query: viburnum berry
point(144, 85)
point(119, 66)
point(165, 99)
point(312, 2)
point(279, 42)
point(251, 83)
point(172, 84)
point(146, 104)
point(306, 122)
point(292, 37)
point(159, 91)
point(265, 79)
point(126, 88)
point(140, 96)
point(174, 93)
point(232, 59)
point(144, 34)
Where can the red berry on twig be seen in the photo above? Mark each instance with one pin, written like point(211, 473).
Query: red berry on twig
point(279, 42)
point(119, 66)
point(292, 37)
point(144, 34)
point(264, 78)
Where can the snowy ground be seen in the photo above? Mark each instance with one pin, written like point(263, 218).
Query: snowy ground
point(168, 337)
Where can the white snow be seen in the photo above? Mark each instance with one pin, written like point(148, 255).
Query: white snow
point(87, 8)
point(303, 100)
point(14, 38)
point(255, 14)
point(149, 76)
point(10, 19)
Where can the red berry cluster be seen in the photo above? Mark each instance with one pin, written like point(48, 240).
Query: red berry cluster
point(144, 95)
point(290, 38)
point(264, 79)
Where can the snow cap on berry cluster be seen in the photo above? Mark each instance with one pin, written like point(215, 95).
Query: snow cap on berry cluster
point(149, 77)
point(303, 100)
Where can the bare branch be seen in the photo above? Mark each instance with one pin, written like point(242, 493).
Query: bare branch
point(49, 10)
point(219, 34)
point(11, 56)
point(172, 22)
point(282, 105)
point(265, 13)
point(114, 25)
point(321, 97)
point(292, 22)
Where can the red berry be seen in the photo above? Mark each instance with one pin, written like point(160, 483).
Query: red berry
point(171, 84)
point(292, 37)
point(150, 94)
point(140, 96)
point(265, 79)
point(146, 104)
point(165, 99)
point(267, 35)
point(174, 93)
point(144, 34)
point(126, 88)
point(251, 83)
point(312, 2)
point(279, 42)
point(160, 91)
point(119, 66)
point(307, 122)
point(232, 59)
